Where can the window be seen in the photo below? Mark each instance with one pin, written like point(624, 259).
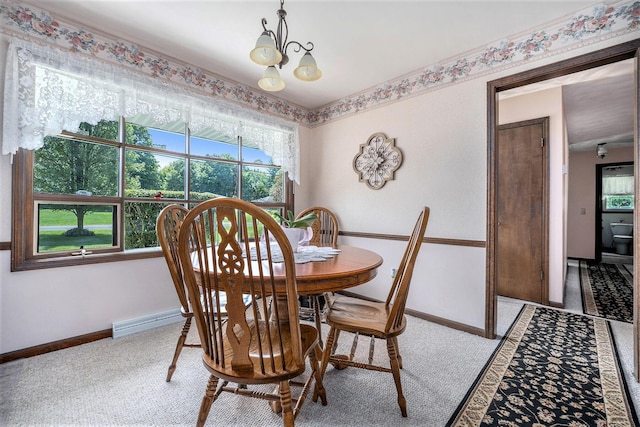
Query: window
point(100, 187)
point(617, 188)
point(99, 151)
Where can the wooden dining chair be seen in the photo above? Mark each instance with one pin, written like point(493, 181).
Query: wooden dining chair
point(380, 320)
point(325, 230)
point(167, 228)
point(324, 227)
point(231, 245)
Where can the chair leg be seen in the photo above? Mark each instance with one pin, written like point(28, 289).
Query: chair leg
point(285, 403)
point(207, 400)
point(395, 341)
point(318, 318)
point(179, 345)
point(395, 369)
point(318, 389)
point(328, 350)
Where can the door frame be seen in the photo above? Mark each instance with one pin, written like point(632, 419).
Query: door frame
point(594, 59)
point(544, 211)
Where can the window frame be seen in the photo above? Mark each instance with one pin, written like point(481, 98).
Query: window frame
point(24, 255)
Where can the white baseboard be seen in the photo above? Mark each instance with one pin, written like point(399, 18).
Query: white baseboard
point(128, 327)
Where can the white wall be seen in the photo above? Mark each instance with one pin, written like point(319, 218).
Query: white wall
point(547, 103)
point(442, 135)
point(38, 307)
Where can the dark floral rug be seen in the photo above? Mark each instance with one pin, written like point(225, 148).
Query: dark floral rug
point(607, 290)
point(553, 368)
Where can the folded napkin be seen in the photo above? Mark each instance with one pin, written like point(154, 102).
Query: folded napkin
point(305, 254)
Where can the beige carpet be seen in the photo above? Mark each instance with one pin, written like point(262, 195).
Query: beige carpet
point(122, 383)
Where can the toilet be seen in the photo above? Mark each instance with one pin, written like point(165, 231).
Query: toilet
point(622, 236)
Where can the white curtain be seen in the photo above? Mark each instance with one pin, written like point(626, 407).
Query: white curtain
point(617, 185)
point(47, 91)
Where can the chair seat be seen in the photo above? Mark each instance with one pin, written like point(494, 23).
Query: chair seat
point(358, 315)
point(309, 338)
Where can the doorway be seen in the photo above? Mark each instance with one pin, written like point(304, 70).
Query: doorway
point(605, 56)
point(614, 205)
point(522, 200)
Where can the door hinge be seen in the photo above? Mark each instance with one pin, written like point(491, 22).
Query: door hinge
point(541, 275)
point(542, 142)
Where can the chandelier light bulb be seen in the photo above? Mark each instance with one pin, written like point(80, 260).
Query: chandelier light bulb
point(265, 52)
point(271, 81)
point(307, 69)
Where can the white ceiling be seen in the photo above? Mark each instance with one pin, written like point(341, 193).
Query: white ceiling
point(598, 104)
point(358, 44)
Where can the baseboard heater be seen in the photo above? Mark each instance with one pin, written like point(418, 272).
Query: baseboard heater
point(128, 327)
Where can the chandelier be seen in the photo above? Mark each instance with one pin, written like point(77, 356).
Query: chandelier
point(271, 50)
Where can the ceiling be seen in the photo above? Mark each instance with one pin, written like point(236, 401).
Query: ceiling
point(358, 44)
point(598, 105)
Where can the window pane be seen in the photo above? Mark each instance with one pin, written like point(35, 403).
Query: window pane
point(70, 166)
point(138, 135)
point(68, 227)
point(212, 148)
point(169, 141)
point(172, 176)
point(255, 155)
point(104, 129)
point(140, 224)
point(211, 179)
point(262, 184)
point(619, 202)
point(142, 174)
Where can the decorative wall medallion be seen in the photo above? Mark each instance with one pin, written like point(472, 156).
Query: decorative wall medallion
point(377, 160)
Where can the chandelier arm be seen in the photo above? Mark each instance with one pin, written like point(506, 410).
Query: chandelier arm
point(281, 39)
point(299, 46)
point(264, 25)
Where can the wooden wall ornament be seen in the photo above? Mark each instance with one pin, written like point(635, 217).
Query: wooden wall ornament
point(377, 160)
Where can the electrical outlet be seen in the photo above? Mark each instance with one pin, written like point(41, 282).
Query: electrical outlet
point(393, 273)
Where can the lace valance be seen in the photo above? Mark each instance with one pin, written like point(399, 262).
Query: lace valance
point(47, 91)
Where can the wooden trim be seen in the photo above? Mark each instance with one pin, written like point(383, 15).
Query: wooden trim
point(5, 246)
point(424, 316)
point(69, 261)
point(446, 322)
point(556, 304)
point(432, 240)
point(636, 220)
point(54, 346)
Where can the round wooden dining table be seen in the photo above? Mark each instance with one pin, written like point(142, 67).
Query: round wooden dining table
point(353, 266)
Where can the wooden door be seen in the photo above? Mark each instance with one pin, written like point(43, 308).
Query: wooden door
point(521, 198)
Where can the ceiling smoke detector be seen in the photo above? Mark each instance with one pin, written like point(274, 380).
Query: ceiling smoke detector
point(602, 150)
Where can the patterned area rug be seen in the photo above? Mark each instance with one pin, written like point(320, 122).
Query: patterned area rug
point(607, 290)
point(552, 368)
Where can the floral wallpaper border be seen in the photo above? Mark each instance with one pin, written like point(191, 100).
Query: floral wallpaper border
point(604, 21)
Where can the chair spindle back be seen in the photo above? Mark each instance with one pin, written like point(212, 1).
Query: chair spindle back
point(397, 298)
point(325, 228)
point(229, 245)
